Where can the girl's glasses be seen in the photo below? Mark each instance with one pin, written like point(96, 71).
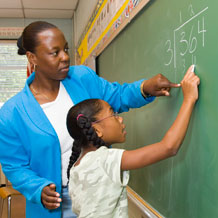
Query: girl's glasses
point(115, 114)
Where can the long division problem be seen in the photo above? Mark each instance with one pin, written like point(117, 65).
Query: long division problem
point(187, 38)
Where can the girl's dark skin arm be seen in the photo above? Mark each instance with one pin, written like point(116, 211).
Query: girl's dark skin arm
point(173, 139)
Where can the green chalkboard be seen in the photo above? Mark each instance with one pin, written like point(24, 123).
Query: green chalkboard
point(166, 37)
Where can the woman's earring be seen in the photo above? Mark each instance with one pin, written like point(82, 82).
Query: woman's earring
point(34, 67)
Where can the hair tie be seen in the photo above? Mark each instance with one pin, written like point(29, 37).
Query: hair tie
point(80, 115)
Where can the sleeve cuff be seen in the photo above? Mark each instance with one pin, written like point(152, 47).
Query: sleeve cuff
point(144, 99)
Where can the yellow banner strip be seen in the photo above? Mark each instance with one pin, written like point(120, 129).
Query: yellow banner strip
point(84, 45)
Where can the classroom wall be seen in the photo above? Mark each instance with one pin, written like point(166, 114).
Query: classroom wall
point(65, 25)
point(82, 15)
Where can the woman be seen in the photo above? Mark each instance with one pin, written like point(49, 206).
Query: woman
point(34, 143)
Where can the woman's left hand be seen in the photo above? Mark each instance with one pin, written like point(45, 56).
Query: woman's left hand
point(50, 198)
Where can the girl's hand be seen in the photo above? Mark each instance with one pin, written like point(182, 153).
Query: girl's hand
point(190, 84)
point(50, 198)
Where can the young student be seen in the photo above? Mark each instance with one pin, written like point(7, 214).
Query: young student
point(97, 175)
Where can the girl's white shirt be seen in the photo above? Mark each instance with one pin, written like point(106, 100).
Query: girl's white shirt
point(56, 111)
point(97, 186)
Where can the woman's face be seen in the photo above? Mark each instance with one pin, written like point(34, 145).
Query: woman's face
point(51, 55)
point(110, 126)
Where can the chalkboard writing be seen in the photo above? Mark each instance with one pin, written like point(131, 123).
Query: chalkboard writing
point(167, 37)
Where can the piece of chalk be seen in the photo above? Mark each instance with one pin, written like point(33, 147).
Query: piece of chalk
point(193, 68)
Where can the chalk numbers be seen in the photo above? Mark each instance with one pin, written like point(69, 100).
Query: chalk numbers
point(186, 39)
point(202, 30)
point(189, 45)
point(169, 50)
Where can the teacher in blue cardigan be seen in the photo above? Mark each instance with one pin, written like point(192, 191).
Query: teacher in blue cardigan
point(34, 143)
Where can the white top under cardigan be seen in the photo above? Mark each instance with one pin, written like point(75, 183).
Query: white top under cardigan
point(56, 111)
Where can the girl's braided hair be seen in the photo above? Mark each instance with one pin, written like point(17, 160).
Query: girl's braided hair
point(79, 125)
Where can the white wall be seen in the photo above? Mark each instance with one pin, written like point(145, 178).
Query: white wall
point(82, 15)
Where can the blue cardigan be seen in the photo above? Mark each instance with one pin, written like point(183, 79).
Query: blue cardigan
point(29, 147)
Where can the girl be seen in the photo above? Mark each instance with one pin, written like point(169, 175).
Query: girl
point(98, 175)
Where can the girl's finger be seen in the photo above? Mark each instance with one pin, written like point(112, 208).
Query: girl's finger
point(189, 73)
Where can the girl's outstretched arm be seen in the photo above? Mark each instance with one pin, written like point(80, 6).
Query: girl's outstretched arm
point(172, 140)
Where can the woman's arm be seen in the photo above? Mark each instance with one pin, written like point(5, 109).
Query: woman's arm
point(125, 96)
point(15, 159)
point(172, 140)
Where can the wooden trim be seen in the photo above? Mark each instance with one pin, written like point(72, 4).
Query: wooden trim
point(136, 10)
point(2, 177)
point(140, 200)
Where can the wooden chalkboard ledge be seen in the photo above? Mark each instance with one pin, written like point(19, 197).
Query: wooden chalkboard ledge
point(139, 208)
